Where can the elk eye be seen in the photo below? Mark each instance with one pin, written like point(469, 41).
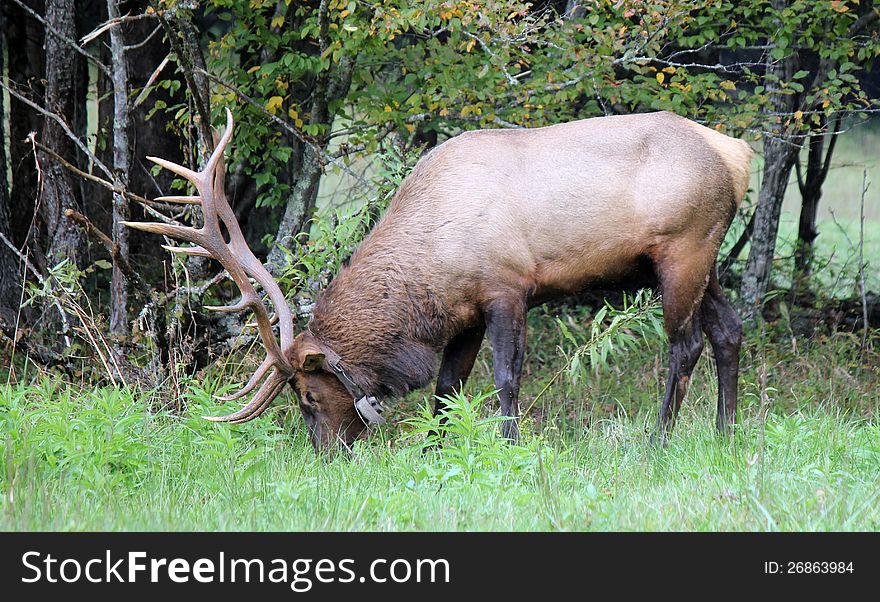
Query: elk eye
point(310, 398)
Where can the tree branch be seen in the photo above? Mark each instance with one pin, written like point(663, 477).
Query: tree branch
point(826, 165)
point(112, 248)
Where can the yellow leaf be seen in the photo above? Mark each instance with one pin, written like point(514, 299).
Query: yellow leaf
point(292, 113)
point(728, 85)
point(825, 103)
point(410, 127)
point(274, 104)
point(388, 108)
point(277, 22)
point(253, 69)
point(660, 77)
point(344, 14)
point(798, 115)
point(444, 112)
point(669, 70)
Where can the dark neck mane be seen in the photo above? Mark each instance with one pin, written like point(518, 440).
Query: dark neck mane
point(383, 321)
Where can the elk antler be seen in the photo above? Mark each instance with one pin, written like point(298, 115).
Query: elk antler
point(240, 263)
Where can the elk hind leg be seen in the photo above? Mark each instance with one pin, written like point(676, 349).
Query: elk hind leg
point(723, 327)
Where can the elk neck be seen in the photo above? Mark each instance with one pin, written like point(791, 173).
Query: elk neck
point(380, 316)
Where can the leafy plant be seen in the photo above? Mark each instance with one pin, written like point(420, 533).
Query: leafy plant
point(461, 445)
point(610, 330)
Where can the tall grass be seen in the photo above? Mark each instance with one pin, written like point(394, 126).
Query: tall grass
point(94, 458)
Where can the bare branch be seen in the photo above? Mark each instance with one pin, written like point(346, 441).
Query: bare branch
point(381, 134)
point(510, 79)
point(865, 186)
point(146, 89)
point(111, 23)
point(145, 41)
point(93, 178)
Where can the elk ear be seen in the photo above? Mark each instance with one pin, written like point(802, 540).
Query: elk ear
point(313, 361)
point(309, 357)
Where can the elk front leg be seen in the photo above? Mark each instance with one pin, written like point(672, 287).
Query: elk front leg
point(506, 325)
point(459, 356)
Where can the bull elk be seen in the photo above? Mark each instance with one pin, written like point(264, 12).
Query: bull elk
point(487, 225)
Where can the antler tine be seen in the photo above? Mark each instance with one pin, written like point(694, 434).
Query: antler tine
point(180, 170)
point(172, 230)
point(271, 394)
point(217, 156)
point(254, 380)
point(240, 305)
point(195, 251)
point(270, 389)
point(181, 200)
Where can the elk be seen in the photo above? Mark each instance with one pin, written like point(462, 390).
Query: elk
point(487, 225)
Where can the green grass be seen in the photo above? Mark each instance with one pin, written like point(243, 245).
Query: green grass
point(806, 455)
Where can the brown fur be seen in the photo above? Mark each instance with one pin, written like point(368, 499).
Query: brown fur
point(498, 216)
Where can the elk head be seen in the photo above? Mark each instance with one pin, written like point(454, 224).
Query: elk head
point(334, 408)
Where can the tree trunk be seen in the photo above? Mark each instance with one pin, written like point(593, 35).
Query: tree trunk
point(299, 206)
point(121, 168)
point(811, 193)
point(10, 285)
point(780, 152)
point(185, 40)
point(65, 239)
point(149, 137)
point(778, 161)
point(327, 90)
point(24, 37)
